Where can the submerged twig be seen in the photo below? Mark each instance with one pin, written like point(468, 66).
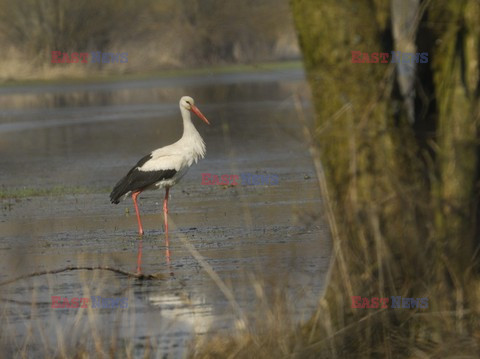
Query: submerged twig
point(71, 268)
point(22, 302)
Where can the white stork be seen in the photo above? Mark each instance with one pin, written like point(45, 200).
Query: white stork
point(165, 166)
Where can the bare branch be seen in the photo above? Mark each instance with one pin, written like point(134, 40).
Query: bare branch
point(140, 276)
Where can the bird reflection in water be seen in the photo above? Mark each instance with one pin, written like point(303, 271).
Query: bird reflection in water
point(139, 257)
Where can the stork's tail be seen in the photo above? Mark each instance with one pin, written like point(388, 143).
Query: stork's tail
point(120, 189)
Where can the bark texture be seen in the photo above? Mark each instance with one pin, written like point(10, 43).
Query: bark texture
point(405, 195)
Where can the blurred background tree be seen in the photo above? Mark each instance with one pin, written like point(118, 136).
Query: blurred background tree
point(156, 34)
point(37, 26)
point(405, 191)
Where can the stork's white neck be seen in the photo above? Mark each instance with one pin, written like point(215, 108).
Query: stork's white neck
point(188, 127)
point(191, 138)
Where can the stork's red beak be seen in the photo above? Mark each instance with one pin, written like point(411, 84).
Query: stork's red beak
point(197, 112)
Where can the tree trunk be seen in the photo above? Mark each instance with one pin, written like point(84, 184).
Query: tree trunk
point(404, 194)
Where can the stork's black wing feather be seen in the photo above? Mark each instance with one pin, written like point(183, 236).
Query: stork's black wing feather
point(137, 180)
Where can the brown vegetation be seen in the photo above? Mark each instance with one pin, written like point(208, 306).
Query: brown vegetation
point(155, 34)
point(403, 197)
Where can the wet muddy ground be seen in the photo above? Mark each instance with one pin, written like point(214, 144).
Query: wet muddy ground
point(63, 147)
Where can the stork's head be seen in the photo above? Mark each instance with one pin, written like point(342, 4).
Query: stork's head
point(188, 103)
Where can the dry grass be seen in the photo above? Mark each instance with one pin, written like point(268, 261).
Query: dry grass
point(384, 245)
point(382, 248)
point(397, 230)
point(29, 330)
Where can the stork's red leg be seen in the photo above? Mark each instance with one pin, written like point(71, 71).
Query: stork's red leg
point(165, 214)
point(134, 197)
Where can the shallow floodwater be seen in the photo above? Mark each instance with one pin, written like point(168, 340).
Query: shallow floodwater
point(63, 147)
